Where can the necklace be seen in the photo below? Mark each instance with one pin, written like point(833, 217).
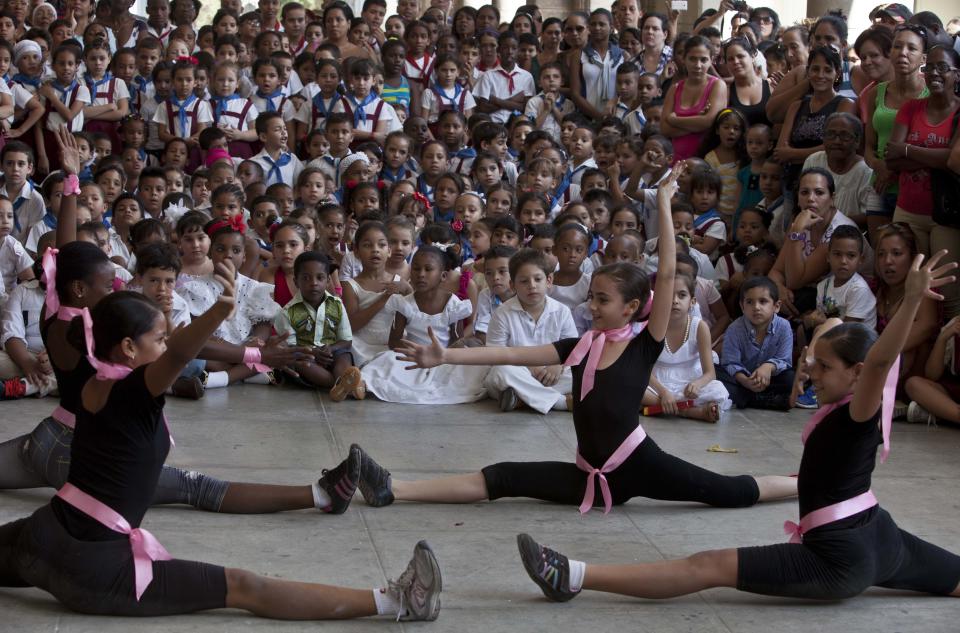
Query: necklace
point(686, 335)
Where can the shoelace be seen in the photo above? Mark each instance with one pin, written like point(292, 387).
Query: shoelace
point(552, 567)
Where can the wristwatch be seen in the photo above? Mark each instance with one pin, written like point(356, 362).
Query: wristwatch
point(797, 237)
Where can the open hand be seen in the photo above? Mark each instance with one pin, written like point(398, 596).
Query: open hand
point(669, 187)
point(421, 356)
point(923, 278)
point(276, 353)
point(69, 151)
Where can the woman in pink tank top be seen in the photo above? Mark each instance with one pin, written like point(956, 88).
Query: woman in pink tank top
point(686, 123)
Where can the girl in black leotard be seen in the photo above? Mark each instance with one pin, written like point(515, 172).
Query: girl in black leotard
point(845, 542)
point(41, 458)
point(86, 547)
point(605, 415)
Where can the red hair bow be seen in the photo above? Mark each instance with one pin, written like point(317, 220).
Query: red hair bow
point(236, 223)
point(183, 59)
point(422, 199)
point(457, 226)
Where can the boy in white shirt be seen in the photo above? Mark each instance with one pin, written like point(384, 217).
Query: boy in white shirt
point(270, 97)
point(373, 118)
point(496, 272)
point(279, 164)
point(844, 293)
point(548, 108)
point(530, 318)
point(505, 79)
point(17, 160)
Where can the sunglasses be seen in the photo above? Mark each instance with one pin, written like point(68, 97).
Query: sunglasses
point(941, 68)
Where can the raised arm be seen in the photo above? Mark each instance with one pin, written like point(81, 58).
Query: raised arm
point(667, 254)
point(70, 164)
point(921, 282)
point(425, 356)
point(185, 343)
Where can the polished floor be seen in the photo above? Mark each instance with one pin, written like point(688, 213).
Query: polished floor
point(276, 435)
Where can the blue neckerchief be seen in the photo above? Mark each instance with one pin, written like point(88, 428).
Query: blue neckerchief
point(270, 97)
point(359, 109)
point(443, 95)
point(642, 120)
point(20, 78)
point(321, 105)
point(573, 171)
point(561, 189)
point(340, 194)
point(142, 83)
point(495, 300)
point(465, 153)
point(559, 102)
point(64, 90)
point(93, 84)
point(182, 112)
point(7, 78)
point(220, 105)
point(391, 176)
point(142, 153)
point(19, 203)
point(704, 218)
point(275, 165)
point(466, 250)
point(594, 245)
point(424, 188)
point(158, 99)
point(50, 220)
point(445, 217)
point(85, 174)
point(514, 154)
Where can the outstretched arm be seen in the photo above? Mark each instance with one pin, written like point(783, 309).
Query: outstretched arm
point(70, 163)
point(667, 253)
point(921, 282)
point(425, 356)
point(184, 344)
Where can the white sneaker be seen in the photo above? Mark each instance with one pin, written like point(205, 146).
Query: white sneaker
point(418, 587)
point(917, 414)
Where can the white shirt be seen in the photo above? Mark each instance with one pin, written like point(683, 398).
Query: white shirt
point(494, 83)
point(281, 104)
point(485, 309)
point(120, 91)
point(288, 173)
point(233, 115)
point(855, 195)
point(550, 124)
point(372, 122)
point(853, 300)
point(14, 259)
point(26, 300)
point(54, 119)
point(28, 208)
point(203, 115)
point(512, 326)
point(433, 102)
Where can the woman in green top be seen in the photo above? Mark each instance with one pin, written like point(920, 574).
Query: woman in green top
point(882, 102)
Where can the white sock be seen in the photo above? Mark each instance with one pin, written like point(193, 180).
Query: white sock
point(387, 603)
point(560, 404)
point(321, 499)
point(257, 379)
point(217, 379)
point(30, 387)
point(577, 571)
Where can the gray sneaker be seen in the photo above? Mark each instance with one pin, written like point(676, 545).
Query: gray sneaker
point(418, 587)
point(375, 482)
point(917, 414)
point(509, 400)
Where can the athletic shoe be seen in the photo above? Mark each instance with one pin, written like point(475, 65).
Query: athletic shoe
point(184, 387)
point(917, 414)
point(808, 399)
point(418, 587)
point(548, 568)
point(340, 484)
point(508, 399)
point(349, 382)
point(899, 409)
point(13, 389)
point(374, 480)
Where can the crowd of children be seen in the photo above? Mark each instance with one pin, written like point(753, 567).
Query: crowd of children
point(317, 199)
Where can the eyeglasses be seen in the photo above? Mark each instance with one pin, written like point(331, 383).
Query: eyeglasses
point(574, 29)
point(846, 137)
point(764, 19)
point(941, 68)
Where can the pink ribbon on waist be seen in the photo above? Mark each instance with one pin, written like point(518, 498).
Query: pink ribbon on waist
point(144, 545)
point(829, 514)
point(252, 358)
point(619, 456)
point(64, 417)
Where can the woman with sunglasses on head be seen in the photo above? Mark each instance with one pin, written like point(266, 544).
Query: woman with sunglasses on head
point(920, 143)
point(882, 102)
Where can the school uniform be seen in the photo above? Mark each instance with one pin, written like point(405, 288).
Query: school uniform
point(194, 111)
point(162, 34)
point(237, 113)
point(505, 84)
point(148, 110)
point(550, 124)
point(576, 171)
point(635, 121)
point(28, 209)
point(285, 169)
point(67, 95)
point(274, 102)
point(368, 113)
point(328, 164)
point(461, 161)
point(438, 100)
point(419, 69)
point(107, 90)
point(313, 112)
point(512, 326)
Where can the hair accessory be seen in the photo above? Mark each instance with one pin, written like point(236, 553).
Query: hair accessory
point(24, 47)
point(216, 154)
point(176, 210)
point(351, 184)
point(183, 59)
point(422, 199)
point(444, 247)
point(752, 249)
point(235, 223)
point(457, 226)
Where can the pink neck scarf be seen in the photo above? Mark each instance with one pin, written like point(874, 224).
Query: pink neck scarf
point(886, 410)
point(591, 348)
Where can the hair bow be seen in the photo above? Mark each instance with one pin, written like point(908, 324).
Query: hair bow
point(176, 209)
point(183, 59)
point(443, 247)
point(422, 199)
point(235, 223)
point(457, 226)
point(752, 249)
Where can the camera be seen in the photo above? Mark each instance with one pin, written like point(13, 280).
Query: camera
point(740, 6)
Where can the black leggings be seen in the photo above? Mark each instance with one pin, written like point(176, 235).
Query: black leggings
point(832, 564)
point(41, 459)
point(648, 472)
point(97, 577)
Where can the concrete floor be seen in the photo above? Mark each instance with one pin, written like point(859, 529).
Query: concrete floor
point(284, 436)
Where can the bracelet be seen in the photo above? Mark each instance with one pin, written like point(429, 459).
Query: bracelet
point(71, 185)
point(252, 358)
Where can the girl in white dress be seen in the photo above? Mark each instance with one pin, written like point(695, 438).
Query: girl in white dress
point(571, 247)
point(431, 313)
point(365, 296)
point(684, 370)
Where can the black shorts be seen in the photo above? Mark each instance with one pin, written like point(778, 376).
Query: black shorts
point(97, 577)
point(832, 564)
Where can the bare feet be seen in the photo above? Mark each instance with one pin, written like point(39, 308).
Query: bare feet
point(709, 412)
